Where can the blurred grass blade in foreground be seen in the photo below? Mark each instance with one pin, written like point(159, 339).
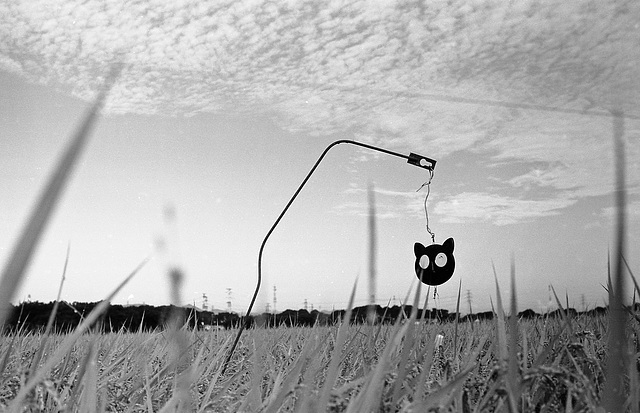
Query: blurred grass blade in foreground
point(614, 396)
point(28, 239)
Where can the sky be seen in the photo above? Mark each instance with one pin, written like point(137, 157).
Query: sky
point(222, 108)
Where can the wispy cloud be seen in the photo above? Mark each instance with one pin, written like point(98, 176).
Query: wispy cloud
point(632, 210)
point(346, 58)
point(466, 207)
point(387, 72)
point(389, 203)
point(567, 153)
point(500, 210)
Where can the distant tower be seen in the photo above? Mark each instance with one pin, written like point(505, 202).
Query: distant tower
point(469, 300)
point(305, 304)
point(205, 302)
point(274, 299)
point(229, 299)
point(267, 308)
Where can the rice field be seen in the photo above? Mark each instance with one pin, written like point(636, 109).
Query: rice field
point(558, 364)
point(569, 364)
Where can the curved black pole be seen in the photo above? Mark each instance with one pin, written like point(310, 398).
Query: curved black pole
point(412, 158)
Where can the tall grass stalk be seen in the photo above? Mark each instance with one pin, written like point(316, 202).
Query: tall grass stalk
point(338, 345)
point(500, 345)
point(408, 346)
point(372, 259)
point(89, 396)
point(371, 314)
point(43, 345)
point(456, 324)
point(513, 373)
point(45, 205)
point(633, 278)
point(564, 314)
point(614, 391)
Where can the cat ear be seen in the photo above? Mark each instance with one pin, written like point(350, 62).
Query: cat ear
point(417, 249)
point(448, 245)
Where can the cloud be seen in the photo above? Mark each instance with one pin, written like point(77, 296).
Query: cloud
point(572, 154)
point(466, 207)
point(389, 203)
point(383, 211)
point(500, 210)
point(632, 211)
point(354, 57)
point(444, 76)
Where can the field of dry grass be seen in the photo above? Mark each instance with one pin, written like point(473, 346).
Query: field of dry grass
point(413, 366)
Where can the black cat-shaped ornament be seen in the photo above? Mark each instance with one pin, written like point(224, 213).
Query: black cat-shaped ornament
point(434, 263)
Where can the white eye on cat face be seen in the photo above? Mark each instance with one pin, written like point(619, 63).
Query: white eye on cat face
point(424, 262)
point(441, 259)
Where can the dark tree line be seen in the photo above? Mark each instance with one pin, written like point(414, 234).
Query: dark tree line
point(33, 316)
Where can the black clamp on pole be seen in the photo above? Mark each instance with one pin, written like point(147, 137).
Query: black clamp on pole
point(421, 161)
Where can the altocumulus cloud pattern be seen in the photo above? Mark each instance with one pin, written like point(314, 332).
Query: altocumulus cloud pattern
point(385, 70)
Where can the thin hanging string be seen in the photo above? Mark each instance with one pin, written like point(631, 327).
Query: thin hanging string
point(426, 215)
point(426, 211)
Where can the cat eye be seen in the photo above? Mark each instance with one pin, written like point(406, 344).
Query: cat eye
point(441, 259)
point(424, 262)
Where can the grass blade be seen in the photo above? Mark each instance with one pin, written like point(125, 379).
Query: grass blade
point(513, 376)
point(407, 348)
point(371, 315)
point(614, 390)
point(455, 330)
point(44, 207)
point(279, 394)
point(563, 312)
point(89, 397)
point(371, 309)
point(438, 400)
point(501, 337)
point(52, 316)
point(332, 371)
point(66, 345)
point(633, 278)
